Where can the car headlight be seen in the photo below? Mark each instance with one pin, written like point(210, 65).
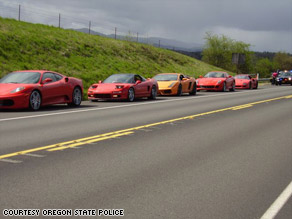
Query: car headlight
point(119, 86)
point(93, 86)
point(218, 82)
point(290, 79)
point(171, 84)
point(17, 90)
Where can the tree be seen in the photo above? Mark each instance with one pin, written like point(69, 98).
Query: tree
point(264, 67)
point(218, 51)
point(283, 61)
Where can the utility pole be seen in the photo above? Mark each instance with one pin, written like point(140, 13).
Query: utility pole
point(115, 33)
point(89, 27)
point(59, 20)
point(19, 7)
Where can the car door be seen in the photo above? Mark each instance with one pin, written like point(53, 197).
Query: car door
point(52, 92)
point(141, 89)
point(184, 82)
point(229, 80)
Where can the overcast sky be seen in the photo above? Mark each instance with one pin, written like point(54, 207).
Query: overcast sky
point(265, 24)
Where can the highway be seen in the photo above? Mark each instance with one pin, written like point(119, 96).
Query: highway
point(213, 155)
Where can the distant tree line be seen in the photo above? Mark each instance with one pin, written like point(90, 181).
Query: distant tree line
point(218, 51)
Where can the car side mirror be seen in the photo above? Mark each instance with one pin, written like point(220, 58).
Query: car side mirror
point(47, 80)
point(184, 79)
point(66, 79)
point(138, 82)
point(99, 82)
point(229, 76)
point(200, 76)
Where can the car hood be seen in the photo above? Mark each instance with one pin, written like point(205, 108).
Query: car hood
point(165, 84)
point(107, 87)
point(241, 81)
point(7, 88)
point(209, 81)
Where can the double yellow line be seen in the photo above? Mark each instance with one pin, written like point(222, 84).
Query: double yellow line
point(124, 132)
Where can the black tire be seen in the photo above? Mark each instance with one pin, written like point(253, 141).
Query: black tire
point(179, 90)
point(131, 95)
point(233, 87)
point(35, 100)
point(153, 93)
point(194, 91)
point(250, 85)
point(76, 97)
point(257, 84)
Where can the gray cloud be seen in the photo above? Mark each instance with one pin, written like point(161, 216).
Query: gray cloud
point(266, 24)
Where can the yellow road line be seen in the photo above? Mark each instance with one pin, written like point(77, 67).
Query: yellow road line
point(123, 132)
point(90, 141)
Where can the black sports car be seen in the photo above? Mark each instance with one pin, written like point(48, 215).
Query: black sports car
point(284, 78)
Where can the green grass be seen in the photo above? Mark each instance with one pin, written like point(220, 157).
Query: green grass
point(92, 58)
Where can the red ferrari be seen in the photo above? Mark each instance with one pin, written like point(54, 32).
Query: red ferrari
point(216, 81)
point(36, 88)
point(245, 81)
point(123, 86)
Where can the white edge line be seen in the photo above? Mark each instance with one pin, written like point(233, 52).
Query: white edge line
point(278, 203)
point(121, 106)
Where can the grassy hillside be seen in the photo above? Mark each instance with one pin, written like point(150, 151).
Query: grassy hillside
point(91, 58)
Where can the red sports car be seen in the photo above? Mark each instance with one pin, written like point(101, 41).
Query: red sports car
point(216, 81)
point(123, 86)
point(36, 88)
point(245, 81)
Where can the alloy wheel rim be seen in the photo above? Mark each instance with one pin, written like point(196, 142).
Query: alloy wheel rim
point(35, 100)
point(131, 95)
point(77, 96)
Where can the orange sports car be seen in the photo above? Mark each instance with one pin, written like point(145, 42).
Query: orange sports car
point(175, 84)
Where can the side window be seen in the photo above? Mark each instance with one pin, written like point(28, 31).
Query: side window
point(137, 77)
point(49, 75)
point(58, 77)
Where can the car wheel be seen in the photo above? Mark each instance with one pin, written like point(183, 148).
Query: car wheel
point(233, 87)
point(224, 87)
point(179, 90)
point(131, 95)
point(194, 91)
point(153, 93)
point(76, 97)
point(35, 100)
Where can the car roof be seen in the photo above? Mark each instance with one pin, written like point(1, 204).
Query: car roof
point(170, 74)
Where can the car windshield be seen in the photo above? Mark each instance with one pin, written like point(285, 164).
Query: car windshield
point(120, 78)
point(241, 77)
point(166, 77)
point(215, 75)
point(283, 74)
point(21, 78)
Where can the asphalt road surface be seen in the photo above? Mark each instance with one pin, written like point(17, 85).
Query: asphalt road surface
point(213, 155)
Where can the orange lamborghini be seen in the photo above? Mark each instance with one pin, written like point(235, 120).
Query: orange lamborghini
point(175, 84)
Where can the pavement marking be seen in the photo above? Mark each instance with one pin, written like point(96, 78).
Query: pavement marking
point(278, 203)
point(129, 131)
point(34, 155)
point(11, 161)
point(127, 105)
point(90, 141)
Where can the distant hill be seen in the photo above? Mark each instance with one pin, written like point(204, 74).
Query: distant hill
point(89, 57)
point(164, 43)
